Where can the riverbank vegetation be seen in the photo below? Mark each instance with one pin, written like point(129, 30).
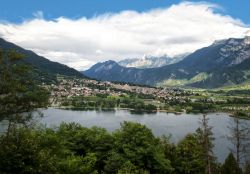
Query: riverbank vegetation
point(133, 103)
point(236, 106)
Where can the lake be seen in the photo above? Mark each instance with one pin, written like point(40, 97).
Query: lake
point(160, 123)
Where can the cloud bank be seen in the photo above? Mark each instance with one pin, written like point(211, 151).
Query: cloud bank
point(80, 43)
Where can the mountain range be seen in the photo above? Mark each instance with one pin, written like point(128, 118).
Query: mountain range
point(224, 63)
point(44, 68)
point(151, 61)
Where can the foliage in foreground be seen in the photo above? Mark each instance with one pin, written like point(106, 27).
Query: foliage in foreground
point(19, 92)
point(72, 148)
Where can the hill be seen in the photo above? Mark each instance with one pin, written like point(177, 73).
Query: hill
point(44, 67)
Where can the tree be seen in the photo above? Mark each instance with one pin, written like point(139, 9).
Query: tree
point(114, 162)
point(194, 154)
point(240, 140)
point(25, 150)
point(170, 149)
point(19, 93)
point(81, 141)
point(189, 156)
point(42, 150)
point(206, 138)
point(247, 168)
point(230, 165)
point(129, 168)
point(78, 164)
point(137, 144)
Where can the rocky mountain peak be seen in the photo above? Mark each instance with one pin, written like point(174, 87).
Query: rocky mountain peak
point(235, 51)
point(148, 61)
point(222, 63)
point(247, 40)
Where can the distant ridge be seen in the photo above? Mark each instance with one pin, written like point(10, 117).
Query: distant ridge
point(151, 61)
point(40, 63)
point(223, 63)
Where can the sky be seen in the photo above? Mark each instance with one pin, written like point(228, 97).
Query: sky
point(81, 33)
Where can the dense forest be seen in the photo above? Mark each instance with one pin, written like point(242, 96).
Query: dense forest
point(26, 147)
point(133, 148)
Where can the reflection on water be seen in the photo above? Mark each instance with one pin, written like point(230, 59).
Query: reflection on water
point(161, 123)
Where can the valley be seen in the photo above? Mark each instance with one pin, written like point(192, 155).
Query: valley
point(181, 93)
point(125, 87)
point(86, 94)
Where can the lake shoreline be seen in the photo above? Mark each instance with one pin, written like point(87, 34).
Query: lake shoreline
point(147, 111)
point(161, 123)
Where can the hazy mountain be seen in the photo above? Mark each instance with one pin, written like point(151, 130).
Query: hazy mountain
point(225, 62)
point(151, 61)
point(42, 65)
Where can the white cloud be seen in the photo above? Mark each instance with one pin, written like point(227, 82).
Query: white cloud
point(82, 42)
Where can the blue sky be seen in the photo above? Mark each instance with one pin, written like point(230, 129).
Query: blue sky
point(19, 10)
point(80, 33)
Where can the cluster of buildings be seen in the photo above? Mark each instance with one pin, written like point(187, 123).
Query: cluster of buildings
point(67, 88)
point(85, 87)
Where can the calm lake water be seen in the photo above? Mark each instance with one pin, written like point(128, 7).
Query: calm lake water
point(160, 123)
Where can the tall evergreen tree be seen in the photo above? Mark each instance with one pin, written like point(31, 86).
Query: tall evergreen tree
point(189, 156)
point(19, 94)
point(230, 165)
point(206, 138)
point(241, 140)
point(247, 168)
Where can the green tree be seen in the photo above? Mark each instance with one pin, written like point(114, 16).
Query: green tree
point(136, 143)
point(205, 135)
point(114, 162)
point(33, 150)
point(26, 150)
point(170, 149)
point(189, 156)
point(241, 140)
point(78, 164)
point(129, 168)
point(81, 141)
point(19, 93)
point(247, 168)
point(230, 165)
point(194, 153)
